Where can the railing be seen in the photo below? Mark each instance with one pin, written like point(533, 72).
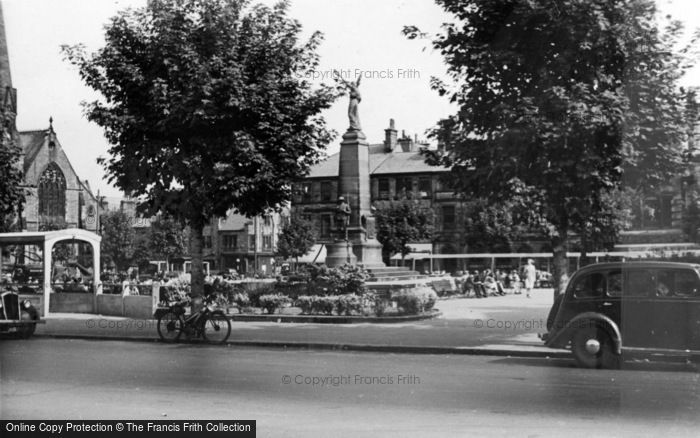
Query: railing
point(23, 288)
point(73, 288)
point(132, 289)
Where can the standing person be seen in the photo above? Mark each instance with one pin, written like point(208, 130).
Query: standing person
point(530, 274)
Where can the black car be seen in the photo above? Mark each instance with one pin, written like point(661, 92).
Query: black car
point(612, 311)
point(17, 315)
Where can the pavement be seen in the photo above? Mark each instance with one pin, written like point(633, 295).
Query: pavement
point(500, 326)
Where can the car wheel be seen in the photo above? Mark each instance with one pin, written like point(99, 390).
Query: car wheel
point(592, 347)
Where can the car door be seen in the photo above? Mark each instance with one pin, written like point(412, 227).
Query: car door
point(674, 319)
point(635, 307)
point(610, 303)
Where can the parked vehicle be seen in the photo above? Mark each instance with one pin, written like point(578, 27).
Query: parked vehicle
point(614, 311)
point(208, 322)
point(18, 316)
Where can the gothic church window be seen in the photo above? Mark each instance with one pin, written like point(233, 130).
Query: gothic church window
point(52, 194)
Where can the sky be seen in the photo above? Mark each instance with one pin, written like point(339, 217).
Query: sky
point(360, 36)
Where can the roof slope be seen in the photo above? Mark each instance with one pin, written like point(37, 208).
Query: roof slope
point(380, 163)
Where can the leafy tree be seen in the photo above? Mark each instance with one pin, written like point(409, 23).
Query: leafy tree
point(117, 239)
point(11, 193)
point(402, 222)
point(168, 238)
point(207, 107)
point(143, 251)
point(296, 238)
point(560, 103)
point(493, 227)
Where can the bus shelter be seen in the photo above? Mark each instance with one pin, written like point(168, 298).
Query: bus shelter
point(28, 265)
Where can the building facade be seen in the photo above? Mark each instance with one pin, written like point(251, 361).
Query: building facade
point(56, 197)
point(397, 171)
point(246, 245)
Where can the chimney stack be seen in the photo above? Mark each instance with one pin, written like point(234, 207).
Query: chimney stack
point(405, 142)
point(390, 137)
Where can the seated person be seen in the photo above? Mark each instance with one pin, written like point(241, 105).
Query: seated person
point(490, 284)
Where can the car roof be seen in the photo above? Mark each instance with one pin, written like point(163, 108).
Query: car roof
point(639, 264)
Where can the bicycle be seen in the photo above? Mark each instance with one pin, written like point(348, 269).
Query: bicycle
point(208, 323)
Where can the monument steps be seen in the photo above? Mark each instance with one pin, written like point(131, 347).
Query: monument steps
point(392, 273)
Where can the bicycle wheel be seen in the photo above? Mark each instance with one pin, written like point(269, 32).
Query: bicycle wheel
point(217, 328)
point(170, 326)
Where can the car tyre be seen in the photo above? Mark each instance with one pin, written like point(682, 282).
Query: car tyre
point(583, 345)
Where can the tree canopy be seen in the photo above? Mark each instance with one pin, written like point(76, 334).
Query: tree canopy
point(560, 103)
point(11, 192)
point(168, 238)
point(402, 222)
point(117, 239)
point(296, 238)
point(206, 107)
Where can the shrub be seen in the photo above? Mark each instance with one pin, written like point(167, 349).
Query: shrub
point(346, 279)
point(324, 305)
point(241, 299)
point(409, 303)
point(348, 304)
point(272, 302)
point(417, 300)
point(373, 303)
point(254, 295)
point(305, 303)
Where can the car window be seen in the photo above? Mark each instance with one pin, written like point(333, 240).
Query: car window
point(615, 283)
point(677, 283)
point(664, 283)
point(640, 283)
point(590, 286)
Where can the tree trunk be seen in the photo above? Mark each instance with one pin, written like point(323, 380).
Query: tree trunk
point(583, 259)
point(561, 262)
point(197, 274)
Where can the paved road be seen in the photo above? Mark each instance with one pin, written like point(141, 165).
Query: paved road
point(364, 394)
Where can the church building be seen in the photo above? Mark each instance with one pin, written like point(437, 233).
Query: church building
point(56, 197)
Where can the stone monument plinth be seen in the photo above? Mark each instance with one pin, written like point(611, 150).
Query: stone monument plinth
point(357, 243)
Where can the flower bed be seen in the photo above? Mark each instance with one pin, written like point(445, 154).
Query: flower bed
point(321, 291)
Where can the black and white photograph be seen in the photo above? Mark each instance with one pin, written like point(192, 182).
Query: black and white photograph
point(349, 218)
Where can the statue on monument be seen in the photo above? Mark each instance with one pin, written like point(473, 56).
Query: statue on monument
point(355, 99)
point(342, 215)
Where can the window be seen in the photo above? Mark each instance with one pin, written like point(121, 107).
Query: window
point(267, 241)
point(384, 188)
point(267, 220)
point(404, 187)
point(590, 286)
point(677, 283)
point(306, 192)
point(448, 217)
point(326, 191)
point(687, 284)
point(207, 242)
point(640, 283)
point(425, 188)
point(52, 195)
point(251, 243)
point(230, 241)
point(615, 283)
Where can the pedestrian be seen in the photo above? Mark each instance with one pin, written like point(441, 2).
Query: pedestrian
point(530, 274)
